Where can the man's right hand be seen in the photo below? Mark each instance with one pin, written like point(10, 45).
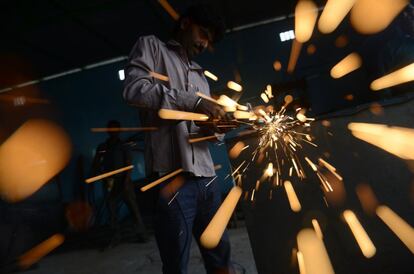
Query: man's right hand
point(211, 109)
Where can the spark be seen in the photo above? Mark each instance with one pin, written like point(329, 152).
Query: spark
point(172, 199)
point(125, 129)
point(317, 228)
point(204, 96)
point(236, 149)
point(331, 168)
point(294, 55)
point(108, 174)
point(403, 75)
point(269, 92)
point(401, 228)
point(210, 75)
point(312, 165)
point(215, 177)
point(238, 114)
point(217, 167)
point(234, 86)
point(350, 63)
point(36, 253)
point(37, 151)
point(380, 135)
point(264, 98)
point(333, 14)
point(361, 236)
point(170, 114)
point(315, 256)
point(162, 179)
point(237, 169)
point(301, 263)
point(159, 76)
point(211, 236)
point(293, 199)
point(201, 139)
point(269, 170)
point(306, 13)
point(252, 197)
point(169, 9)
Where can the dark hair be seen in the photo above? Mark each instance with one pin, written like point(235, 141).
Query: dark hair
point(206, 16)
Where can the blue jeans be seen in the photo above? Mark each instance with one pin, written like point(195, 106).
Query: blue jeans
point(188, 214)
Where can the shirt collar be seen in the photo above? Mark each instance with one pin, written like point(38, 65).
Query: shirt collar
point(175, 45)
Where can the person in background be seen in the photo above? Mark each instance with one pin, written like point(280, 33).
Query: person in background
point(111, 155)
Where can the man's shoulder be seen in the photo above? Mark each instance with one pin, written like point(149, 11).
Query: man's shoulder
point(151, 39)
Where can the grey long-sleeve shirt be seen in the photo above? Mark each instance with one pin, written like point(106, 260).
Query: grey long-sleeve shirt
point(167, 148)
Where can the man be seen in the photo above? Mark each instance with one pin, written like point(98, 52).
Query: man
point(111, 155)
point(167, 148)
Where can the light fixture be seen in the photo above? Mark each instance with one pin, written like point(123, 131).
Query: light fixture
point(121, 74)
point(287, 35)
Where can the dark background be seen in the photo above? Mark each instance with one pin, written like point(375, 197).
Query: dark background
point(44, 38)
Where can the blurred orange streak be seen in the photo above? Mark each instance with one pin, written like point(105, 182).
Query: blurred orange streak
point(336, 197)
point(346, 65)
point(201, 139)
point(169, 9)
point(162, 179)
point(406, 74)
point(264, 97)
point(172, 187)
point(234, 86)
point(159, 76)
point(170, 114)
point(371, 16)
point(315, 256)
point(30, 157)
point(39, 251)
point(122, 129)
point(361, 236)
point(317, 228)
point(306, 13)
point(293, 199)
point(108, 174)
point(333, 14)
point(367, 198)
point(401, 228)
point(294, 55)
point(210, 75)
point(236, 150)
point(395, 140)
point(215, 229)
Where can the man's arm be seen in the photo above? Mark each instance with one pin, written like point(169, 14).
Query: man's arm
point(143, 90)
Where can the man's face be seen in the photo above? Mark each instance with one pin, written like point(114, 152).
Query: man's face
point(195, 38)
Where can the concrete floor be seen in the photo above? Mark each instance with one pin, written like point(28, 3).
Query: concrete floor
point(130, 258)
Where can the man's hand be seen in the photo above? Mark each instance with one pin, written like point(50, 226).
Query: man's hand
point(211, 109)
